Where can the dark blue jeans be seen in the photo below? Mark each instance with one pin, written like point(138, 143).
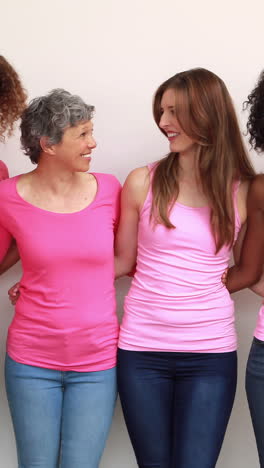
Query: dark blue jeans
point(176, 405)
point(255, 393)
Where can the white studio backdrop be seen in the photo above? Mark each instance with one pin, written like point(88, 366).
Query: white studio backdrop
point(115, 53)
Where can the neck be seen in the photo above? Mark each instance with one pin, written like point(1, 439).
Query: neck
point(188, 165)
point(53, 178)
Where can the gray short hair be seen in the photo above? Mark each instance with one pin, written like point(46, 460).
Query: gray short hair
point(49, 116)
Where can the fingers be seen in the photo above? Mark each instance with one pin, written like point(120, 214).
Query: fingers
point(14, 293)
point(224, 276)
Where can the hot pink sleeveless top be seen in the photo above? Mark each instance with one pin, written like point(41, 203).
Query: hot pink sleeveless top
point(177, 301)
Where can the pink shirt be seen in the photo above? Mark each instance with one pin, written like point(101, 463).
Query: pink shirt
point(177, 301)
point(65, 317)
point(3, 171)
point(259, 331)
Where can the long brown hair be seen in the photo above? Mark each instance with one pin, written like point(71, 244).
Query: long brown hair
point(12, 98)
point(206, 114)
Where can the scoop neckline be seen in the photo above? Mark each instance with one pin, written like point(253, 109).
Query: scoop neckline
point(203, 207)
point(16, 178)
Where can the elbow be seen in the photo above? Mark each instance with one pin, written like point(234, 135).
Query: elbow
point(253, 277)
point(240, 277)
point(124, 267)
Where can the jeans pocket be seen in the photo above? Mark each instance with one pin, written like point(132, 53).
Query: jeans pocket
point(255, 364)
point(258, 342)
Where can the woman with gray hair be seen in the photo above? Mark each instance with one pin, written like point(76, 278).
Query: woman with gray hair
point(61, 349)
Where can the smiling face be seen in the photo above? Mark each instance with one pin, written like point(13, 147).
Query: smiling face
point(74, 150)
point(179, 141)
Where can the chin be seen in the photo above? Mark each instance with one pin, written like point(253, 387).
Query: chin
point(84, 167)
point(175, 149)
point(84, 170)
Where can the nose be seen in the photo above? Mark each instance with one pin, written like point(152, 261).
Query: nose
point(91, 142)
point(164, 120)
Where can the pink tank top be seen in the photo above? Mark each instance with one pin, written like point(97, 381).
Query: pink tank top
point(177, 301)
point(259, 331)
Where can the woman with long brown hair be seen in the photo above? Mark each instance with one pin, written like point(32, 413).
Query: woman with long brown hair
point(180, 218)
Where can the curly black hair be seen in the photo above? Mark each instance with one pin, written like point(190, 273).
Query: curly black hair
point(12, 98)
point(255, 124)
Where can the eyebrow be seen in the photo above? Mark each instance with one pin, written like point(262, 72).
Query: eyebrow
point(85, 127)
point(169, 107)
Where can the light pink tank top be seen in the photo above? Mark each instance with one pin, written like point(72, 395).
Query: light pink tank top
point(259, 331)
point(177, 301)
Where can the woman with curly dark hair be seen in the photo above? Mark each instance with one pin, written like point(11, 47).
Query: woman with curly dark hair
point(12, 98)
point(255, 365)
point(252, 251)
point(12, 103)
point(255, 123)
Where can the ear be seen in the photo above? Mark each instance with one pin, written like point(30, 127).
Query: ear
point(46, 146)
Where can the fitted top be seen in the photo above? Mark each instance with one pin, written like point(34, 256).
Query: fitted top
point(3, 171)
point(65, 316)
point(259, 330)
point(177, 301)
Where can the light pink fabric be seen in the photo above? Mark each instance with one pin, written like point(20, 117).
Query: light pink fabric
point(3, 171)
point(259, 330)
point(177, 301)
point(65, 317)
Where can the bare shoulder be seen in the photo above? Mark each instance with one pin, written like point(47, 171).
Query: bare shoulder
point(138, 178)
point(257, 187)
point(256, 193)
point(136, 186)
point(250, 197)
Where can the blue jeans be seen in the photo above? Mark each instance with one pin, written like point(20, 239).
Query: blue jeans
point(255, 393)
point(176, 405)
point(61, 419)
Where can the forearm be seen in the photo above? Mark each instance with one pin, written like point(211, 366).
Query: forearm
point(240, 277)
point(258, 288)
point(123, 266)
point(10, 259)
point(249, 248)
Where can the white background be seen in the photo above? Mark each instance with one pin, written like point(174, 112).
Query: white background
point(114, 54)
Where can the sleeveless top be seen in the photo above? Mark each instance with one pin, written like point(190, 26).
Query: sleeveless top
point(177, 301)
point(259, 330)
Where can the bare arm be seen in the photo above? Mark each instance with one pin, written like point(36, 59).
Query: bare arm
point(132, 199)
point(10, 259)
point(249, 249)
